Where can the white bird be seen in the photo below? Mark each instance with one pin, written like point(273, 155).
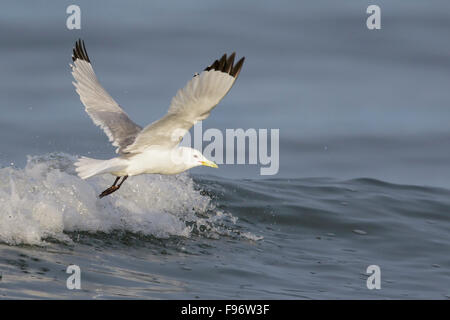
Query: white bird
point(155, 148)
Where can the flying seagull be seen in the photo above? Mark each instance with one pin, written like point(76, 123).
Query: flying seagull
point(155, 148)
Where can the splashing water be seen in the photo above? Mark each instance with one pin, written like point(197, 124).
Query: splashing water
point(47, 200)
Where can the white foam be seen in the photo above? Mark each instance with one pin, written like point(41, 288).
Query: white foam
point(46, 199)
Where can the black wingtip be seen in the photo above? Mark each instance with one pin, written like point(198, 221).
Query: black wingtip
point(237, 68)
point(79, 51)
point(227, 65)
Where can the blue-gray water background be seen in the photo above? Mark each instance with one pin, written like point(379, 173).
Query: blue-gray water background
point(364, 151)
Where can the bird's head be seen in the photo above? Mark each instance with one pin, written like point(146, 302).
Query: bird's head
point(193, 158)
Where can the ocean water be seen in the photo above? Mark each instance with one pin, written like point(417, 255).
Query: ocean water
point(364, 153)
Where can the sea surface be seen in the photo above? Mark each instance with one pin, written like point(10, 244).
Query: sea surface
point(364, 152)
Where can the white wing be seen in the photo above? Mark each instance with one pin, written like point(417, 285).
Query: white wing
point(191, 104)
point(103, 110)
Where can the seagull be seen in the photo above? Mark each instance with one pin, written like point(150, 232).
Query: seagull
point(154, 149)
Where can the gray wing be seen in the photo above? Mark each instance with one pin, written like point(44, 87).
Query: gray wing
point(100, 106)
point(191, 104)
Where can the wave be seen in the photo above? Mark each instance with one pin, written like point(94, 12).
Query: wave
point(46, 200)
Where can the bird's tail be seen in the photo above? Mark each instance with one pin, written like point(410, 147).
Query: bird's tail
point(88, 167)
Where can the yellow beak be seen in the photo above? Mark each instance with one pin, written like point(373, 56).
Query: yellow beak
point(209, 164)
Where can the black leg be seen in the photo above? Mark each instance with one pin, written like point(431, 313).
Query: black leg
point(124, 178)
point(115, 181)
point(113, 188)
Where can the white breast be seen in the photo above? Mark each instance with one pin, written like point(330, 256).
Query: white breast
point(156, 160)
